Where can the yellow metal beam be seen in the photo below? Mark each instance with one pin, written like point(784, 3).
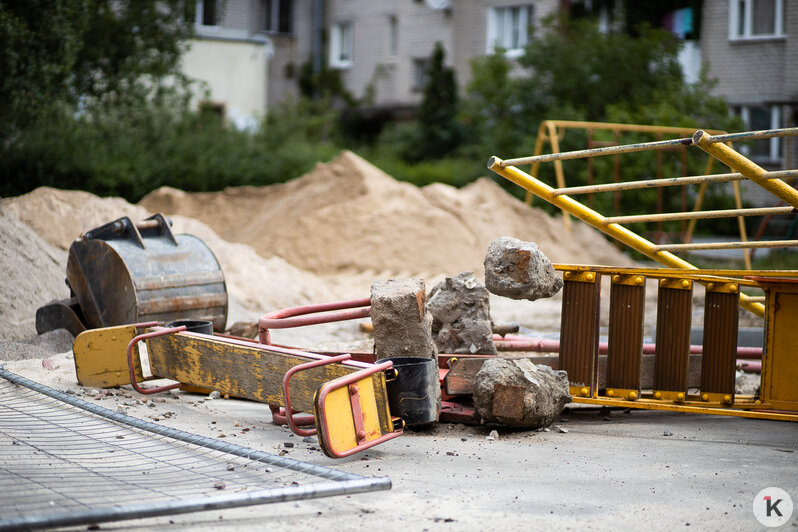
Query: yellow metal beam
point(745, 166)
point(670, 407)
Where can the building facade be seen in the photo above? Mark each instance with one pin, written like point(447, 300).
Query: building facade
point(751, 48)
point(230, 54)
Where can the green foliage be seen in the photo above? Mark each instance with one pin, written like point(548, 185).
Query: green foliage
point(60, 56)
point(40, 41)
point(438, 130)
point(574, 64)
point(131, 154)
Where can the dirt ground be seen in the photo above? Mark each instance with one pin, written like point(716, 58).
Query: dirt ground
point(328, 236)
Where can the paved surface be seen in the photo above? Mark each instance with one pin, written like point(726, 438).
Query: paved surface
point(605, 472)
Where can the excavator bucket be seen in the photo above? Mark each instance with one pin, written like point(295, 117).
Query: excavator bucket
point(122, 273)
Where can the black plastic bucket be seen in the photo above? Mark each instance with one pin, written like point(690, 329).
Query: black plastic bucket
point(195, 326)
point(413, 395)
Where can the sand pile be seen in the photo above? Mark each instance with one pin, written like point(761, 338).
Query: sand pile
point(255, 283)
point(322, 237)
point(60, 216)
point(347, 215)
point(32, 273)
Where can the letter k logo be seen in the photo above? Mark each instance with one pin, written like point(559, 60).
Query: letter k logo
point(772, 506)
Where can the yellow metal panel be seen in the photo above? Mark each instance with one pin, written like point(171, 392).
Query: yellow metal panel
point(242, 369)
point(101, 356)
point(339, 419)
point(780, 358)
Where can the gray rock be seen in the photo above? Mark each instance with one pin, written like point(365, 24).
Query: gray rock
point(519, 270)
point(402, 323)
point(460, 308)
point(519, 393)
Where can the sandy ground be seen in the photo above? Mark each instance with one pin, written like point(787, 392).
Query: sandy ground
point(595, 469)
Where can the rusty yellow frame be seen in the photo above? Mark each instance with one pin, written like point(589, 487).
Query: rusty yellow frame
point(775, 382)
point(553, 131)
point(660, 253)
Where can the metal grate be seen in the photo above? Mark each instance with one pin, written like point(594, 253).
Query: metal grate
point(64, 461)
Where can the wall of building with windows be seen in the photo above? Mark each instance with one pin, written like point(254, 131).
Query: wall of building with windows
point(385, 45)
point(751, 48)
point(230, 54)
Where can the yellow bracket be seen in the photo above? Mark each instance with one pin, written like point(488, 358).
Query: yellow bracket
point(100, 356)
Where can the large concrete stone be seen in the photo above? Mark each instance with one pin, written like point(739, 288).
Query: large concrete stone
point(402, 323)
point(519, 270)
point(460, 308)
point(519, 393)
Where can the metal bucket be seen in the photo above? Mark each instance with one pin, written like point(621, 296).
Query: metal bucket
point(195, 326)
point(123, 273)
point(413, 395)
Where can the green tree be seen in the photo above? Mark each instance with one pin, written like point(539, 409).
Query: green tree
point(62, 56)
point(439, 130)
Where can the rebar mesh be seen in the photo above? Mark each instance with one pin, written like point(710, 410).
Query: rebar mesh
point(64, 461)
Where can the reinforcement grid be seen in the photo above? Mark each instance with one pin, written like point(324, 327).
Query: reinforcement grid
point(64, 461)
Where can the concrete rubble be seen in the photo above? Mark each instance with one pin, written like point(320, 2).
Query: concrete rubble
point(461, 323)
point(402, 323)
point(519, 270)
point(519, 394)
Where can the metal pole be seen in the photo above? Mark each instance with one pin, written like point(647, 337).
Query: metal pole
point(729, 245)
point(595, 152)
point(700, 215)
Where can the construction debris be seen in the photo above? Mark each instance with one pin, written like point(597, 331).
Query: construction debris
point(519, 393)
point(402, 323)
point(460, 308)
point(519, 270)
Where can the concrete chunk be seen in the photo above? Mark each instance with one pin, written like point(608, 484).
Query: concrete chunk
point(402, 323)
point(519, 393)
point(460, 308)
point(519, 270)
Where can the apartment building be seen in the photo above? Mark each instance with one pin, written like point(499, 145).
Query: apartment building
point(251, 52)
point(751, 48)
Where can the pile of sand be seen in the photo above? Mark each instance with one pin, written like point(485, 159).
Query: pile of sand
point(255, 283)
point(322, 237)
point(347, 215)
point(32, 273)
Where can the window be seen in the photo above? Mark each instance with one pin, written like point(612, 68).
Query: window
point(508, 28)
point(279, 16)
point(420, 73)
point(207, 13)
point(756, 118)
point(756, 19)
point(341, 45)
